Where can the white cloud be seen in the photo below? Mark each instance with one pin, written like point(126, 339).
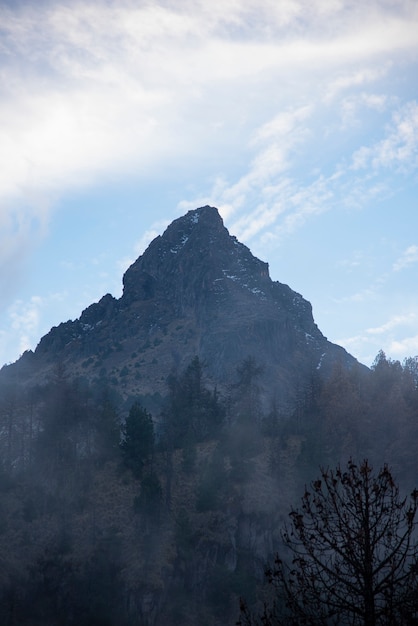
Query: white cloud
point(24, 321)
point(407, 258)
point(273, 199)
point(265, 188)
point(356, 259)
point(399, 149)
point(364, 295)
point(394, 322)
point(402, 348)
point(353, 105)
point(90, 84)
point(363, 76)
point(374, 101)
point(282, 125)
point(393, 337)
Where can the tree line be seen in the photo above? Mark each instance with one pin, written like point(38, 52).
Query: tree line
point(113, 515)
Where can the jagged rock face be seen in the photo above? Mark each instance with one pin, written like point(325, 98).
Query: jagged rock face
point(196, 290)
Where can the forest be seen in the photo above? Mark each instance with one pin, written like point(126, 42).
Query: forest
point(172, 511)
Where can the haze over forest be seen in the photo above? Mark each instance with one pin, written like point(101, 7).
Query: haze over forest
point(152, 449)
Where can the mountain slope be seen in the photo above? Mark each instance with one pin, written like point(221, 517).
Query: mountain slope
point(196, 290)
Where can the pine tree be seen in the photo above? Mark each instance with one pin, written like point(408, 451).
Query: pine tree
point(137, 439)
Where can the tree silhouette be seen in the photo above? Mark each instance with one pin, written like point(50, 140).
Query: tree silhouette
point(194, 413)
point(248, 389)
point(138, 439)
point(353, 557)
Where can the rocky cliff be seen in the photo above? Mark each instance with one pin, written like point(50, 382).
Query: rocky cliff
point(196, 290)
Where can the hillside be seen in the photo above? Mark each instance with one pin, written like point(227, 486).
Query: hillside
point(118, 518)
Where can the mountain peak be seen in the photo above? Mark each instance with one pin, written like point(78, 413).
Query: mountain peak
point(195, 248)
point(196, 290)
point(207, 213)
point(204, 224)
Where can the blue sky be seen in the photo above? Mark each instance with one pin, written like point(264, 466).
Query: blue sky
point(298, 119)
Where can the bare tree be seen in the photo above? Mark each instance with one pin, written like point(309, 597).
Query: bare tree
point(353, 555)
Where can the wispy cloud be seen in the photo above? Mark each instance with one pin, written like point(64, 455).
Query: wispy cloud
point(407, 258)
point(356, 259)
point(274, 197)
point(90, 84)
point(389, 336)
point(364, 295)
point(354, 78)
point(262, 192)
point(394, 322)
point(26, 321)
point(407, 345)
point(399, 149)
point(352, 107)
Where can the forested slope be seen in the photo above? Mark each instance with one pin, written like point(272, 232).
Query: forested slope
point(116, 516)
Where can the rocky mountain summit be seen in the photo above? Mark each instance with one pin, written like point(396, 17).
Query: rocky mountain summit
point(139, 487)
point(196, 290)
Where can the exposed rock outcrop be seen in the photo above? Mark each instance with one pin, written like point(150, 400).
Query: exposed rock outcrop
point(196, 290)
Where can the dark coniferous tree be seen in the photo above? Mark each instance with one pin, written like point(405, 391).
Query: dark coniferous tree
point(137, 444)
point(193, 412)
point(247, 390)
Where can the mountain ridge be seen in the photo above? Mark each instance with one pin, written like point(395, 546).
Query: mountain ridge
point(196, 290)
